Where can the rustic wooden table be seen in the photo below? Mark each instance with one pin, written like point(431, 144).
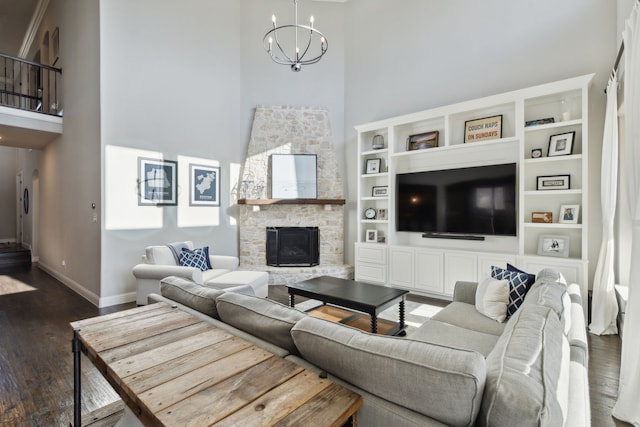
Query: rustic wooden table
point(173, 369)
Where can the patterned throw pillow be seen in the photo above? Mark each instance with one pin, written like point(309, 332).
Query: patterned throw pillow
point(532, 277)
point(517, 287)
point(198, 258)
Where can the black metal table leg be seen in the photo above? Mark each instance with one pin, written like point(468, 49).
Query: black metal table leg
point(374, 323)
point(291, 300)
point(401, 326)
point(77, 404)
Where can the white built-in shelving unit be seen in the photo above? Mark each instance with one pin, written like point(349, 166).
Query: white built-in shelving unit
point(431, 266)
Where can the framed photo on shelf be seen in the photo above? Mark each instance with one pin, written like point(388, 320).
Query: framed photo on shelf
point(157, 182)
point(539, 122)
point(561, 144)
point(483, 129)
point(542, 217)
point(569, 214)
point(380, 191)
point(553, 182)
point(371, 236)
point(382, 214)
point(422, 141)
point(557, 246)
point(204, 185)
point(373, 166)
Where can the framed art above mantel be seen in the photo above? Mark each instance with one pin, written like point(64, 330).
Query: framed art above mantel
point(294, 176)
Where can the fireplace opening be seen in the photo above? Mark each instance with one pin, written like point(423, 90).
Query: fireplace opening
point(293, 246)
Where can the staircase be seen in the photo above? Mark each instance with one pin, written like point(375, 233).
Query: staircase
point(14, 257)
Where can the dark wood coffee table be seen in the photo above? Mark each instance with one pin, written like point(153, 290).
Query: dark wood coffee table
point(359, 296)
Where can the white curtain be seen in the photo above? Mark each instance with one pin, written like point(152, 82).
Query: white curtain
point(627, 407)
point(604, 307)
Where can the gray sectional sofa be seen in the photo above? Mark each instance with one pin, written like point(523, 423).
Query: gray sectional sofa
point(460, 368)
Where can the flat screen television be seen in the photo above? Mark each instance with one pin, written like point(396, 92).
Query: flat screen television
point(467, 201)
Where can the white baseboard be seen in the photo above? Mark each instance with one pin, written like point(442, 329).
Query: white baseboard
point(94, 299)
point(117, 299)
point(73, 285)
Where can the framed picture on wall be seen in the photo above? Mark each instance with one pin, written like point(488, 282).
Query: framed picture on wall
point(157, 182)
point(204, 185)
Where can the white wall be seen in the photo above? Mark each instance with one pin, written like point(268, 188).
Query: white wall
point(8, 171)
point(170, 83)
point(70, 167)
point(182, 79)
point(412, 55)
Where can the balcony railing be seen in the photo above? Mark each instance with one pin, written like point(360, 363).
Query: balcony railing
point(30, 86)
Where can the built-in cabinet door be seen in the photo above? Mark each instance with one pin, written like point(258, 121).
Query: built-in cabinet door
point(401, 266)
point(459, 266)
point(485, 262)
point(428, 271)
point(371, 263)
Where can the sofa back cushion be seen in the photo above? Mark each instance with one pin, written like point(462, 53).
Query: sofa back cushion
point(197, 297)
point(433, 380)
point(554, 295)
point(162, 254)
point(528, 372)
point(261, 317)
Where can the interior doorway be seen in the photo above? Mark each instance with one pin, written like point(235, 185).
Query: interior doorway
point(19, 222)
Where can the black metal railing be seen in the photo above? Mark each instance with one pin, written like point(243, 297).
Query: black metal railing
point(30, 86)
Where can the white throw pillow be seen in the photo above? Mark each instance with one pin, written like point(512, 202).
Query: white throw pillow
point(492, 298)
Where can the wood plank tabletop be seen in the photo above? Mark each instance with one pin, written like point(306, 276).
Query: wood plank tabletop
point(172, 368)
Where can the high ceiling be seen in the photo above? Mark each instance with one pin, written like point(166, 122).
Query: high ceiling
point(15, 16)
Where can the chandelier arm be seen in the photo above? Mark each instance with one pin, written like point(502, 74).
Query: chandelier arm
point(275, 37)
point(307, 48)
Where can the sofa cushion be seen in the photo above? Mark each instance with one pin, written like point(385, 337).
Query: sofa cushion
point(492, 298)
point(466, 316)
point(198, 258)
point(440, 382)
point(162, 254)
point(553, 295)
point(261, 317)
point(435, 332)
point(517, 287)
point(198, 297)
point(528, 372)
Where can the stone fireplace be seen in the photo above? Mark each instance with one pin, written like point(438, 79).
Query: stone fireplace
point(291, 130)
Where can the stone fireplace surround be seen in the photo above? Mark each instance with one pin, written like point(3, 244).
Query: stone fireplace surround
point(291, 130)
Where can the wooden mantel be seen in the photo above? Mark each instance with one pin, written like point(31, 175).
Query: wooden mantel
point(291, 202)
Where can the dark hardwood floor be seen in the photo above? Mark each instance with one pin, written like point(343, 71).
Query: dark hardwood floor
point(36, 365)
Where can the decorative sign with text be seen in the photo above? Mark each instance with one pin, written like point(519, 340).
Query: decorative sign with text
point(483, 129)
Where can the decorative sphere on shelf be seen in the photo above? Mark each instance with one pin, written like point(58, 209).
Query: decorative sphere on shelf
point(378, 142)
